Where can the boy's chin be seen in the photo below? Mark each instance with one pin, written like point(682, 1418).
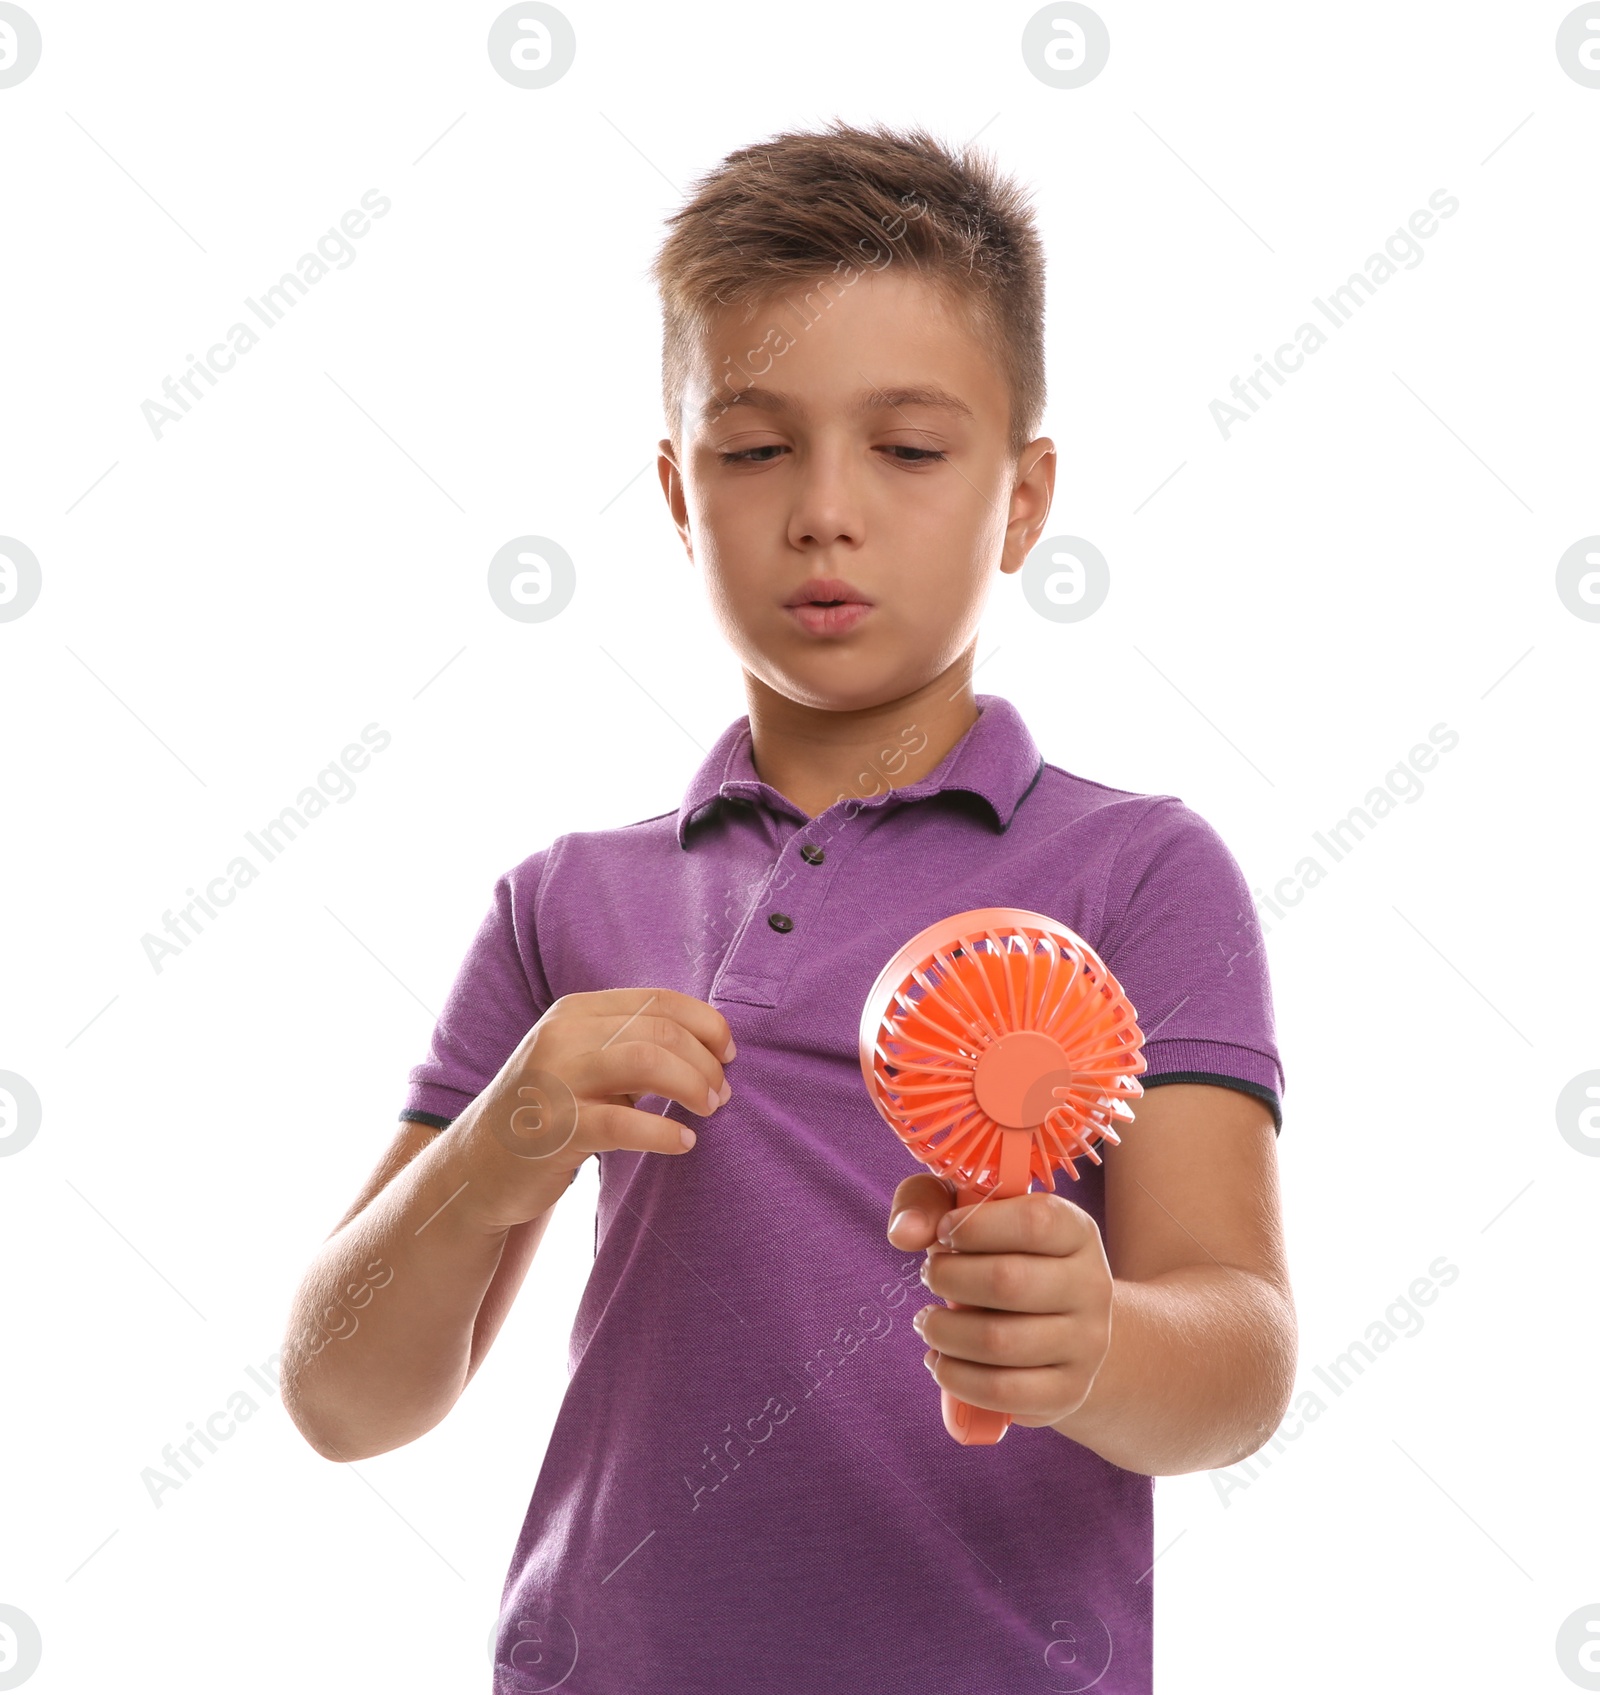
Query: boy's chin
point(843, 682)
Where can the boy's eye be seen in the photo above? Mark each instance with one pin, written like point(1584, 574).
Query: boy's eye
point(920, 455)
point(744, 455)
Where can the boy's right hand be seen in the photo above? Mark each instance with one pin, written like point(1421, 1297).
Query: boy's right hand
point(569, 1090)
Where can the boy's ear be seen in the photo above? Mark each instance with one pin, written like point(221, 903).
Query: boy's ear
point(1031, 495)
point(672, 487)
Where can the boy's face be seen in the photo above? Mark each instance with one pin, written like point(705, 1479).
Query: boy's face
point(828, 467)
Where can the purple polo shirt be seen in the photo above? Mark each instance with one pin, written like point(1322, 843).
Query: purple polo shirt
point(749, 1486)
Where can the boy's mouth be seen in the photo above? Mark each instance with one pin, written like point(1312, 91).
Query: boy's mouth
point(826, 591)
point(827, 606)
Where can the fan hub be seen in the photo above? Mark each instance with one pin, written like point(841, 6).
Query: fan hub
point(1016, 1078)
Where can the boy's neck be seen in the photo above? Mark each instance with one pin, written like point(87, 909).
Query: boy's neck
point(816, 758)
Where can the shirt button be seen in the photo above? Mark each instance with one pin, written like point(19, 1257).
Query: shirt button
point(811, 853)
point(780, 921)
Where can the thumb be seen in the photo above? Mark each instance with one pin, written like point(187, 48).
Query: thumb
point(920, 1201)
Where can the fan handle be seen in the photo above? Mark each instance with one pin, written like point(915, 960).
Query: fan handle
point(980, 1426)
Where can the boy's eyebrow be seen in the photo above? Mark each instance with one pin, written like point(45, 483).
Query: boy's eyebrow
point(870, 400)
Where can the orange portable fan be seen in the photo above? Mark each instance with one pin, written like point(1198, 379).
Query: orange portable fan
point(997, 1046)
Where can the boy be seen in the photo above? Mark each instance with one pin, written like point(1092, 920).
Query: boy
point(749, 1486)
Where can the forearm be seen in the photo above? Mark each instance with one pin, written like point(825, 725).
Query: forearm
point(379, 1342)
point(1198, 1374)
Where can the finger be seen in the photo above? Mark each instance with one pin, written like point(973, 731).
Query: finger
point(698, 1017)
point(1005, 1282)
point(641, 1068)
point(1023, 1392)
point(919, 1202)
point(609, 1126)
point(600, 1031)
point(1040, 1222)
point(666, 1032)
point(997, 1338)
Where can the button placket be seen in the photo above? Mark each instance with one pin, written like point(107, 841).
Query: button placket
point(812, 855)
point(764, 955)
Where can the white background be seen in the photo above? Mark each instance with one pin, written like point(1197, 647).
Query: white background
point(223, 609)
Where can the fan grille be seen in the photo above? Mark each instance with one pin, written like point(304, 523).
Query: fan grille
point(943, 1067)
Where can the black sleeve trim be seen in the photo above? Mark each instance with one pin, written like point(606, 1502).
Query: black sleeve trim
point(429, 1118)
point(1259, 1090)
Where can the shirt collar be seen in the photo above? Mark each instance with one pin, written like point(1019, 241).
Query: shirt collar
point(996, 760)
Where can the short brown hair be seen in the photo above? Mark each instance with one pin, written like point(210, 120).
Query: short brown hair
point(808, 205)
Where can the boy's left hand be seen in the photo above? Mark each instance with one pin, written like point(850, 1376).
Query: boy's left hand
point(1037, 1265)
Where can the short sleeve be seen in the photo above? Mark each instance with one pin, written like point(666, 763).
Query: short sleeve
point(499, 994)
point(1181, 935)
